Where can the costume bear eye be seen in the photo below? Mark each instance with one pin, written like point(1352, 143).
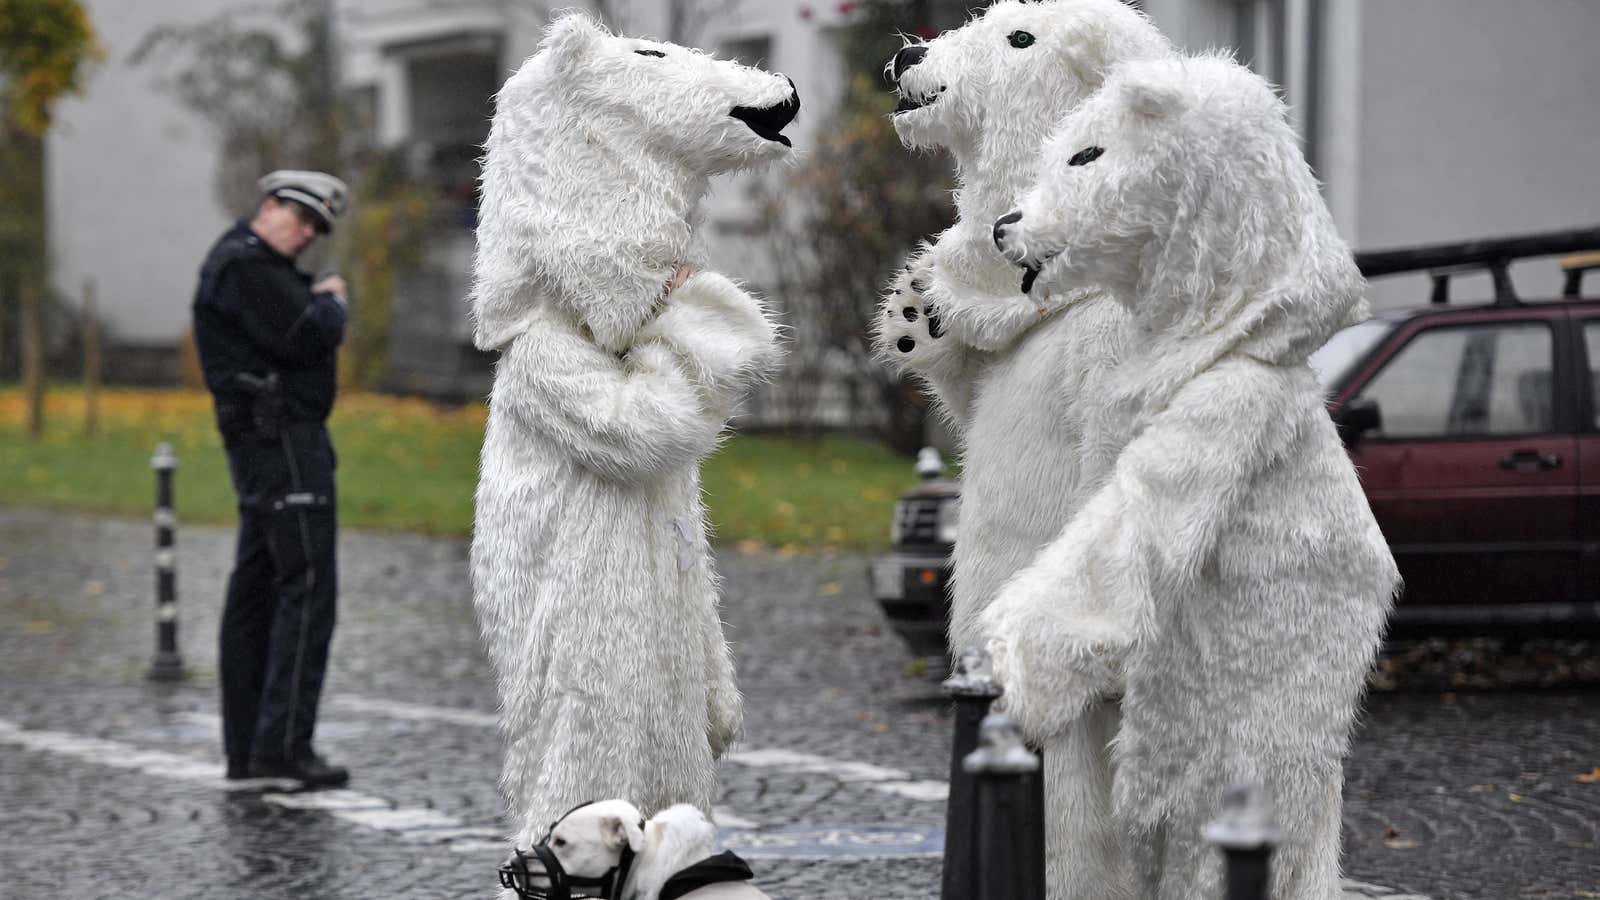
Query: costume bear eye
point(1020, 39)
point(1085, 156)
point(650, 53)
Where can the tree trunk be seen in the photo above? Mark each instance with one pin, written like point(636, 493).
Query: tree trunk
point(907, 414)
point(91, 360)
point(33, 357)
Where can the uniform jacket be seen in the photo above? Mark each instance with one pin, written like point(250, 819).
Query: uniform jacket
point(255, 314)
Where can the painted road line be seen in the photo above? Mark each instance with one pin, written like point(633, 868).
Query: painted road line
point(729, 819)
point(877, 778)
point(416, 712)
point(838, 842)
point(351, 806)
point(882, 779)
point(930, 791)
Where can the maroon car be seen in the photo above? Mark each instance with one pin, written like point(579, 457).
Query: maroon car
point(1476, 432)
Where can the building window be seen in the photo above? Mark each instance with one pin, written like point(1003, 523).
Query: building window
point(755, 50)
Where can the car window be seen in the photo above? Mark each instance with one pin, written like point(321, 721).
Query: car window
point(1460, 381)
point(1345, 349)
point(1591, 340)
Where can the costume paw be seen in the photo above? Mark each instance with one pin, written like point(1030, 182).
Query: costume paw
point(1049, 677)
point(910, 334)
point(726, 727)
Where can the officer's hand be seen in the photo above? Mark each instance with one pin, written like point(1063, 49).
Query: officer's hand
point(333, 284)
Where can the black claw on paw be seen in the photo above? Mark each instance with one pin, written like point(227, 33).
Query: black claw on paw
point(920, 285)
point(935, 330)
point(1028, 275)
point(905, 345)
point(910, 313)
point(1001, 223)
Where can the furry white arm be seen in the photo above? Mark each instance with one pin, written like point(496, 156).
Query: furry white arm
point(988, 323)
point(722, 334)
point(1062, 628)
point(630, 419)
point(724, 703)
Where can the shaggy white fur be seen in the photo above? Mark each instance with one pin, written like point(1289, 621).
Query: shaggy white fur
point(590, 568)
point(1026, 381)
point(1229, 578)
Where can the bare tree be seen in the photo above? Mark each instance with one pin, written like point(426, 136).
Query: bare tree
point(840, 225)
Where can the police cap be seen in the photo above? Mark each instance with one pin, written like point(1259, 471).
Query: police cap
point(323, 194)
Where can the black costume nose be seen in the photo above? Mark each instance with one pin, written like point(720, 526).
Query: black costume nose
point(909, 55)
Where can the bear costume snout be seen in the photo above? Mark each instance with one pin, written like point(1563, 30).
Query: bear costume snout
point(769, 121)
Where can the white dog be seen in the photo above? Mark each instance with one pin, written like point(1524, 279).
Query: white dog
point(672, 855)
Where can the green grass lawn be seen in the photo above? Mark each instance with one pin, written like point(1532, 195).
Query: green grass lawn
point(407, 465)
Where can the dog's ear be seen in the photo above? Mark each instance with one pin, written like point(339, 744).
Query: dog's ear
point(617, 830)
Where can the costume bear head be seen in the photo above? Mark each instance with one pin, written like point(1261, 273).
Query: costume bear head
point(599, 153)
point(992, 90)
point(1181, 190)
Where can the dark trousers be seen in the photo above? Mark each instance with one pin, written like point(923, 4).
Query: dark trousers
point(279, 616)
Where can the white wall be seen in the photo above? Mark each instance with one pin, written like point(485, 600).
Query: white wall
point(128, 176)
point(1479, 118)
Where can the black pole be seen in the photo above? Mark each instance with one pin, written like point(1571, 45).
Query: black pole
point(1010, 831)
point(972, 688)
point(1245, 833)
point(167, 665)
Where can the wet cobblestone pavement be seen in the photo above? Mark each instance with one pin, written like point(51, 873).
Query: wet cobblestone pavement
point(112, 786)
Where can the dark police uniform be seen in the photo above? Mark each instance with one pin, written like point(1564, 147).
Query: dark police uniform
point(268, 346)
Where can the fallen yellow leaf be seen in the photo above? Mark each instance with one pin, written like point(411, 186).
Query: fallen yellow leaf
point(1593, 777)
point(830, 588)
point(1514, 797)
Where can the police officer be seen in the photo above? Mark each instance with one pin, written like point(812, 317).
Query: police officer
point(268, 340)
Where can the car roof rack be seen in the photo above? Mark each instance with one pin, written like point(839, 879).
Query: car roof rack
point(1443, 261)
point(1575, 264)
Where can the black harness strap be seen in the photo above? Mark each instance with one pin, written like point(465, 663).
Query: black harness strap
point(725, 866)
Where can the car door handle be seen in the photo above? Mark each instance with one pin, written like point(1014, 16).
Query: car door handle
point(1531, 461)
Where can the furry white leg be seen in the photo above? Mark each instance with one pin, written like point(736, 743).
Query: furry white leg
point(1085, 857)
point(1306, 865)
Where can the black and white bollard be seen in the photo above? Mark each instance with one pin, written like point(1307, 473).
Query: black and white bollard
point(972, 688)
point(1244, 831)
point(1010, 819)
point(168, 664)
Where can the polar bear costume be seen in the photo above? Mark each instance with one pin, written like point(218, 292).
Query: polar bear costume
point(590, 568)
point(1024, 381)
point(1229, 577)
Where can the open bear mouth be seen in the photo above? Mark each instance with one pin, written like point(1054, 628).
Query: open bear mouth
point(908, 103)
point(769, 121)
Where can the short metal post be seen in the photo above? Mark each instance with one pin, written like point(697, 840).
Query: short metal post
point(1010, 826)
point(167, 665)
point(972, 688)
point(1246, 834)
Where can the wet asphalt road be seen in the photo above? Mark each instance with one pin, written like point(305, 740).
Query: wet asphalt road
point(109, 785)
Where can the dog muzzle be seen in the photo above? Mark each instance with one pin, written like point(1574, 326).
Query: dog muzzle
point(553, 882)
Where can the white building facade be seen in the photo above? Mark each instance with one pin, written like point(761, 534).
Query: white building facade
point(1428, 120)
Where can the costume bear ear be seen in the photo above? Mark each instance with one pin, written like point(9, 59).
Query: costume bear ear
point(571, 38)
point(1151, 98)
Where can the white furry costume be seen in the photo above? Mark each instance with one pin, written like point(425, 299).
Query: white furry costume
point(1229, 577)
point(1025, 381)
point(590, 568)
